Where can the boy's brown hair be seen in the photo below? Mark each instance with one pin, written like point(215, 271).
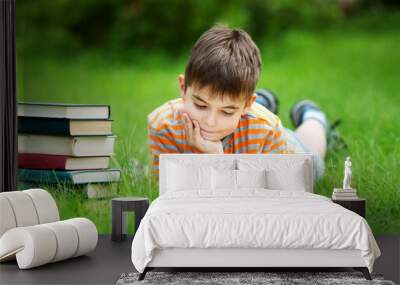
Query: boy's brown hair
point(226, 60)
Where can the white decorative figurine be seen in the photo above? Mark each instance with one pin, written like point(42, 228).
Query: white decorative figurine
point(345, 193)
point(347, 174)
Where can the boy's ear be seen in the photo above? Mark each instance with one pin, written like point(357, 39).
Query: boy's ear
point(249, 103)
point(181, 82)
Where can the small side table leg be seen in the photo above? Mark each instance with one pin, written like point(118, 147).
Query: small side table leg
point(123, 222)
point(117, 220)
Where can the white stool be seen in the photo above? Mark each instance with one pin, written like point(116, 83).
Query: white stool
point(31, 231)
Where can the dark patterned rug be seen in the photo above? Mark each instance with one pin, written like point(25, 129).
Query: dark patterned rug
point(229, 278)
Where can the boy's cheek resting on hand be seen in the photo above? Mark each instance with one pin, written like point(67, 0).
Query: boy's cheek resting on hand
point(192, 132)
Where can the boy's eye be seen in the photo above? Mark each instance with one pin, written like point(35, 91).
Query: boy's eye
point(203, 107)
point(200, 106)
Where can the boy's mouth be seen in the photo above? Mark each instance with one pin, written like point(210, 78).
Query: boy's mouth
point(207, 131)
point(209, 135)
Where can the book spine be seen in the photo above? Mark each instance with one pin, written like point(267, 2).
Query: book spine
point(345, 190)
point(44, 176)
point(42, 161)
point(344, 198)
point(45, 126)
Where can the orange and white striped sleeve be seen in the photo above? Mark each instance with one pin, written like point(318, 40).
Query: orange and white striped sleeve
point(160, 142)
point(275, 141)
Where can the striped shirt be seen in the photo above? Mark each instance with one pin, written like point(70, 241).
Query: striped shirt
point(258, 131)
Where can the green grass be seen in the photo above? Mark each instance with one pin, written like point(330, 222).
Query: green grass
point(351, 73)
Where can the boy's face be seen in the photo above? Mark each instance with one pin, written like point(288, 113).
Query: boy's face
point(217, 117)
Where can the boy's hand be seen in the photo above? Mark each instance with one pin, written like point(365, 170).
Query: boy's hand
point(192, 131)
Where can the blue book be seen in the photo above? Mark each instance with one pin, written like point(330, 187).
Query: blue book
point(90, 190)
point(64, 127)
point(68, 177)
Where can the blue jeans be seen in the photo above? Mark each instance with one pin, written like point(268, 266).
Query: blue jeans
point(295, 142)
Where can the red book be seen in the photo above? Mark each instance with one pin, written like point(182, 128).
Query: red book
point(50, 161)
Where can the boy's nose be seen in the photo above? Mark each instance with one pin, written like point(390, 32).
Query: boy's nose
point(211, 121)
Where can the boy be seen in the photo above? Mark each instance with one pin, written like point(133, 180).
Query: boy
point(218, 111)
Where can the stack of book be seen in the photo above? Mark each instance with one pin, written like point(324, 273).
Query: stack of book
point(69, 144)
point(344, 194)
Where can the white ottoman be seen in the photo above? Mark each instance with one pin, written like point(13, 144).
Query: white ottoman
point(31, 232)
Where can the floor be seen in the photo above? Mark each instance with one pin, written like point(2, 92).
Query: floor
point(111, 259)
point(103, 266)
